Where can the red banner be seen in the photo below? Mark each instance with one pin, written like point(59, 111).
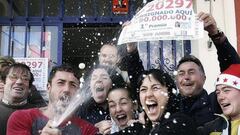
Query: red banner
point(120, 6)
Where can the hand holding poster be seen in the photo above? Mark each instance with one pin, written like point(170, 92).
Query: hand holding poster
point(163, 20)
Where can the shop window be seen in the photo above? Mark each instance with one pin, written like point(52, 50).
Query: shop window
point(72, 8)
point(17, 46)
point(3, 8)
point(34, 8)
point(37, 45)
point(88, 9)
point(34, 42)
point(52, 7)
point(82, 44)
point(104, 7)
point(4, 40)
point(50, 47)
point(19, 8)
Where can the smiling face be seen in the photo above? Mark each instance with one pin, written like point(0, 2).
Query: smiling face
point(153, 97)
point(120, 106)
point(100, 84)
point(62, 88)
point(16, 88)
point(108, 55)
point(228, 98)
point(190, 79)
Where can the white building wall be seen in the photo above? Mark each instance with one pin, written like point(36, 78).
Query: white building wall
point(224, 13)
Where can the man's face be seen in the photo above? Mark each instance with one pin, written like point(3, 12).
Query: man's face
point(108, 55)
point(100, 84)
point(120, 107)
point(228, 99)
point(62, 88)
point(16, 88)
point(190, 79)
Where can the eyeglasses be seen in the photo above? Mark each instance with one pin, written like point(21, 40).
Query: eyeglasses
point(13, 77)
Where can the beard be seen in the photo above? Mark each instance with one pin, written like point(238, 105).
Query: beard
point(61, 104)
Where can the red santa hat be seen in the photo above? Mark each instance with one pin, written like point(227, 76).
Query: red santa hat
point(230, 77)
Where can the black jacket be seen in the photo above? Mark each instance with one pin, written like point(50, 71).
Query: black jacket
point(176, 124)
point(217, 126)
point(92, 112)
point(135, 69)
point(199, 108)
point(227, 55)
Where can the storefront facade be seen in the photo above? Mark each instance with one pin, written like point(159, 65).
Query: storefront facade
point(73, 32)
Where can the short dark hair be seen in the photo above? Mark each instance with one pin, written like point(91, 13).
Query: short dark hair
point(191, 58)
point(21, 66)
point(123, 88)
point(66, 68)
point(7, 59)
point(2, 76)
point(117, 79)
point(118, 82)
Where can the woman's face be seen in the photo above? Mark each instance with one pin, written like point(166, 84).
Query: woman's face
point(153, 97)
point(100, 84)
point(120, 107)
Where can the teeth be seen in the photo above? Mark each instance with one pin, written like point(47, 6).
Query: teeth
point(150, 102)
point(120, 116)
point(19, 89)
point(65, 99)
point(98, 85)
point(151, 106)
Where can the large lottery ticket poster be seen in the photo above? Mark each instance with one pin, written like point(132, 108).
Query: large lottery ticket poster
point(163, 20)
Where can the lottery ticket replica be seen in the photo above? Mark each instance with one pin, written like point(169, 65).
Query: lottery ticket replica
point(163, 20)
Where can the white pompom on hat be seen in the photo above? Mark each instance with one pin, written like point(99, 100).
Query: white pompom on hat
point(230, 77)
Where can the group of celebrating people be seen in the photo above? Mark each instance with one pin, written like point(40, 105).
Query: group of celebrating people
point(134, 102)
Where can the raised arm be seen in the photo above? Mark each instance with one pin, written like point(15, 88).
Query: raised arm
point(227, 55)
point(134, 66)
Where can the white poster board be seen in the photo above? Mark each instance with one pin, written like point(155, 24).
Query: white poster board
point(39, 68)
point(163, 20)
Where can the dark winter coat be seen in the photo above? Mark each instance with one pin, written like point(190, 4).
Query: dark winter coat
point(227, 55)
point(199, 108)
point(92, 112)
point(176, 124)
point(220, 125)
